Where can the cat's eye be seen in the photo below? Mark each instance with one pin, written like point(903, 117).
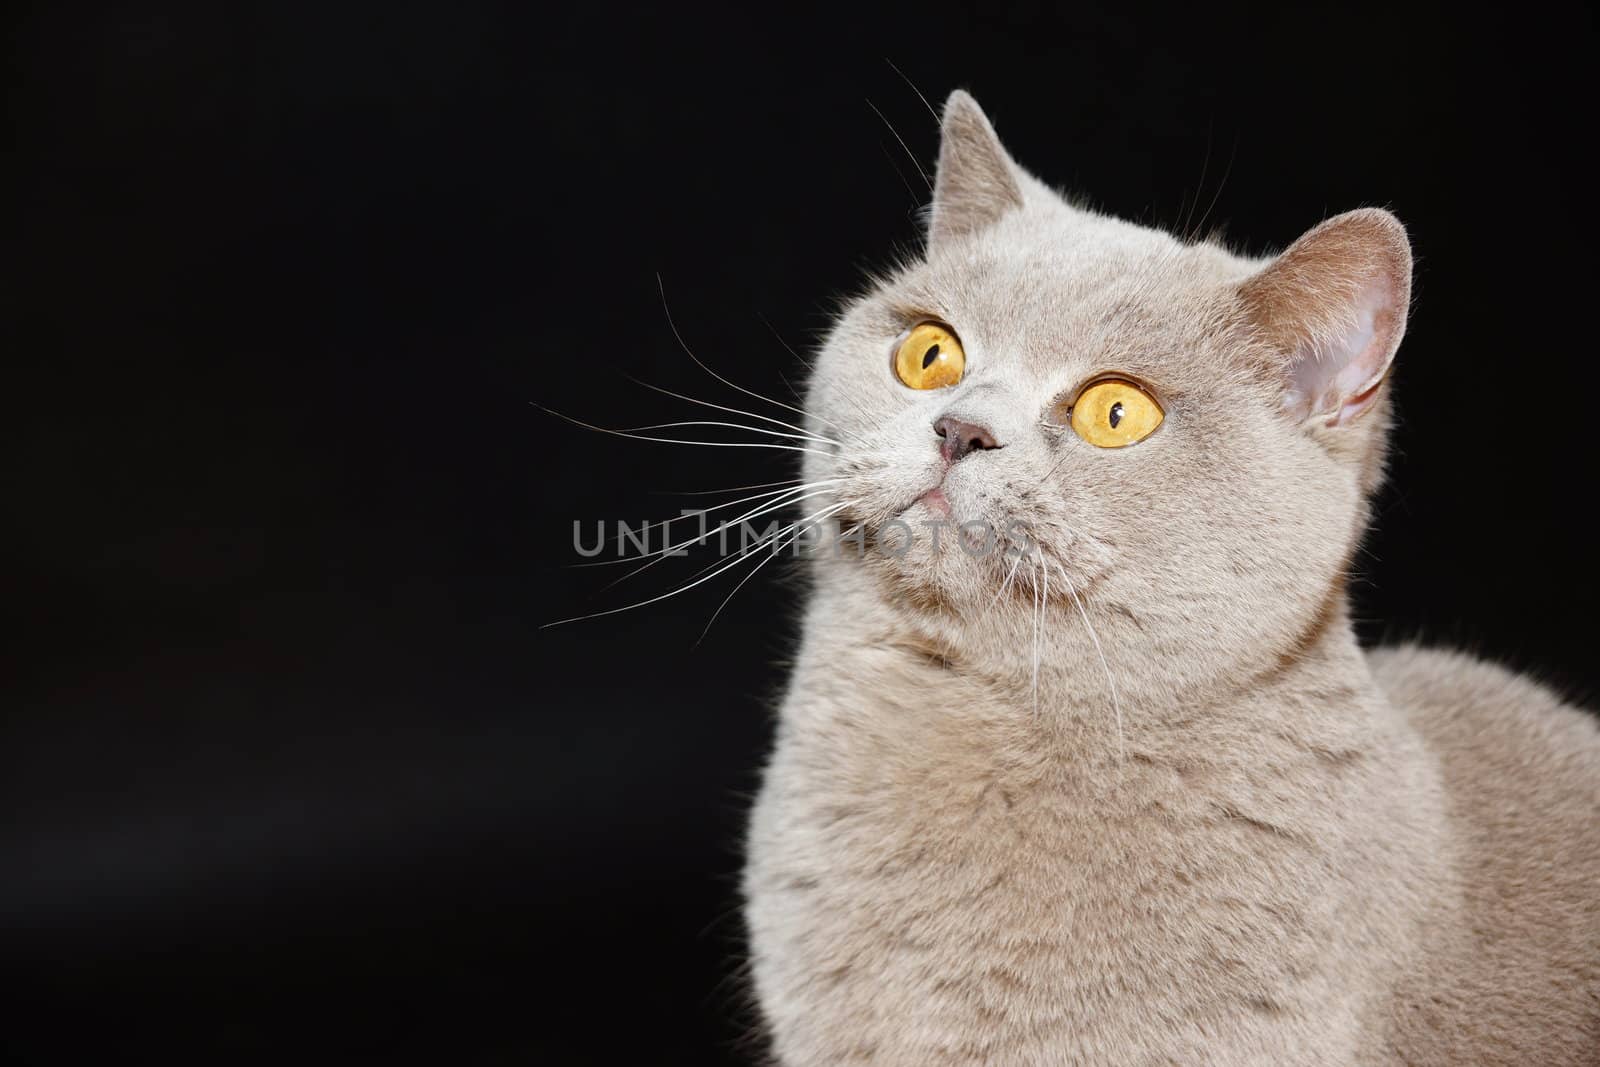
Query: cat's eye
point(1114, 413)
point(929, 357)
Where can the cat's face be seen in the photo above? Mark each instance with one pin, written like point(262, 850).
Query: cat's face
point(1233, 496)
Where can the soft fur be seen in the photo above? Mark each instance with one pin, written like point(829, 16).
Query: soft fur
point(1140, 798)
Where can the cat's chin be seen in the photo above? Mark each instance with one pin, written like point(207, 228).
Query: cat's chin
point(937, 554)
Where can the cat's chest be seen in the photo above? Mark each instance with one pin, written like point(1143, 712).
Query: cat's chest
point(949, 844)
point(949, 880)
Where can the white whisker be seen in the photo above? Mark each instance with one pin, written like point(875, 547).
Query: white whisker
point(680, 441)
point(766, 538)
point(1116, 703)
point(1044, 603)
point(681, 589)
point(754, 513)
point(666, 523)
point(914, 89)
point(787, 384)
point(1038, 617)
point(730, 426)
point(731, 489)
point(661, 287)
point(909, 154)
point(807, 364)
point(1005, 584)
point(733, 411)
point(797, 528)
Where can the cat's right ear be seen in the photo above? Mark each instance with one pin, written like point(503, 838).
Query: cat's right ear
point(977, 182)
point(1333, 308)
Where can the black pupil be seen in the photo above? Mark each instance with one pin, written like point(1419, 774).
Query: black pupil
point(1116, 414)
point(929, 356)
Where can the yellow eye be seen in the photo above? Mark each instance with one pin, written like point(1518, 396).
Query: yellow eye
point(930, 357)
point(1113, 413)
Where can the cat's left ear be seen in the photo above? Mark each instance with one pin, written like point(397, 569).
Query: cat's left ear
point(977, 181)
point(1333, 307)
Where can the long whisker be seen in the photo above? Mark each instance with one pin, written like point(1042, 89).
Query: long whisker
point(661, 287)
point(808, 365)
point(914, 89)
point(787, 384)
point(755, 513)
point(1199, 188)
point(1005, 584)
point(679, 441)
point(909, 154)
point(797, 528)
point(645, 603)
point(653, 600)
point(916, 201)
point(733, 489)
point(766, 538)
point(1116, 703)
point(802, 360)
point(1234, 151)
point(733, 411)
point(732, 426)
point(1044, 599)
point(666, 523)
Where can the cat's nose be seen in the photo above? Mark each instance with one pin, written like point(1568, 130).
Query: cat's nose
point(961, 438)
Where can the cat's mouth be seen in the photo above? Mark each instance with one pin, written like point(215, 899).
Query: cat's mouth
point(934, 500)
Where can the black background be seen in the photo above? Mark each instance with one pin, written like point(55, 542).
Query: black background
point(289, 766)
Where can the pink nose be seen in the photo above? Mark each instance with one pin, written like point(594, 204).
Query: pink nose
point(961, 438)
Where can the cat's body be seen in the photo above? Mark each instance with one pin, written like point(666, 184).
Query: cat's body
point(1141, 799)
point(941, 876)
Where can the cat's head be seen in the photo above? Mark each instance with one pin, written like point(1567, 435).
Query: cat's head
point(1189, 437)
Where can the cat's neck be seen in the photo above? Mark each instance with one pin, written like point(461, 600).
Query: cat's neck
point(1096, 682)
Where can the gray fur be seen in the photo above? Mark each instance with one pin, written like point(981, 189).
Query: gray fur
point(1143, 800)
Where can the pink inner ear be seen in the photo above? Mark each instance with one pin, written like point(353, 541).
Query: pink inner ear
point(1339, 376)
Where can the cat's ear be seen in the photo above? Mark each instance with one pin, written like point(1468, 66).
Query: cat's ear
point(1333, 308)
point(977, 181)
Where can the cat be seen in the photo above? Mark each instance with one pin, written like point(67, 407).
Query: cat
point(1126, 790)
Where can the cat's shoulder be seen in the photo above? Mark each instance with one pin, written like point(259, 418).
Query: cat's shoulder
point(1517, 951)
point(1474, 711)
